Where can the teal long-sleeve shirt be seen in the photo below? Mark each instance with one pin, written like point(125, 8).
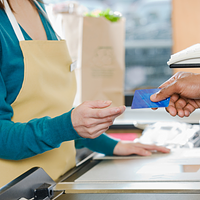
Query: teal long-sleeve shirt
point(23, 140)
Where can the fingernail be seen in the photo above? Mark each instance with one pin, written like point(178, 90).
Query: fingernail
point(153, 96)
point(122, 107)
point(117, 110)
point(168, 150)
point(147, 153)
point(107, 102)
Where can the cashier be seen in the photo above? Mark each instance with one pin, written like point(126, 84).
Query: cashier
point(38, 126)
point(184, 90)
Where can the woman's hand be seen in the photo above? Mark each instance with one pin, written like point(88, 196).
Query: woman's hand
point(184, 90)
point(125, 148)
point(92, 118)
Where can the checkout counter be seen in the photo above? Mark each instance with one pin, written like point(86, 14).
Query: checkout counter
point(161, 176)
point(135, 117)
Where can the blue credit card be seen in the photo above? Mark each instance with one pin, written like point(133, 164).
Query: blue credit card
point(141, 99)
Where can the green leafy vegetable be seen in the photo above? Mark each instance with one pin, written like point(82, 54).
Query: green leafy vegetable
point(108, 14)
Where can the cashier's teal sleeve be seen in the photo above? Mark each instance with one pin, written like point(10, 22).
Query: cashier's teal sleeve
point(102, 144)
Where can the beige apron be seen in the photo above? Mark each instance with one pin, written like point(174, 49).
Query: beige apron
point(48, 90)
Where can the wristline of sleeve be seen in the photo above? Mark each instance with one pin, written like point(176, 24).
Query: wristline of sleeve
point(60, 129)
point(102, 144)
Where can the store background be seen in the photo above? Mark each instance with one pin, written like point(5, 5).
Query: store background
point(148, 44)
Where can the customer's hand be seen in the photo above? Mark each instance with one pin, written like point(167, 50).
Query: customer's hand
point(125, 148)
point(184, 90)
point(92, 118)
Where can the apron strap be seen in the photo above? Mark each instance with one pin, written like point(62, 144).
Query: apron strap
point(13, 21)
point(15, 24)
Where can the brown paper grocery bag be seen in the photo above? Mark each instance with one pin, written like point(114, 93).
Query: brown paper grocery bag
point(103, 60)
